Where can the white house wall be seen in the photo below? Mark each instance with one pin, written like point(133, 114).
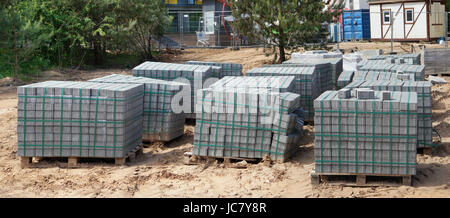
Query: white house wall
point(375, 26)
point(357, 4)
point(419, 30)
point(401, 30)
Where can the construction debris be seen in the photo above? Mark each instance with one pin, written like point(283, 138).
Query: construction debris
point(436, 80)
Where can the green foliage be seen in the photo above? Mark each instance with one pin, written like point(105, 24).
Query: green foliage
point(27, 35)
point(146, 20)
point(71, 33)
point(283, 24)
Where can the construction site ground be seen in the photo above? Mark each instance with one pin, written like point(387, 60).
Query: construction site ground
point(161, 172)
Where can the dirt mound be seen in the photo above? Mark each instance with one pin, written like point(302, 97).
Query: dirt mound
point(9, 81)
point(160, 172)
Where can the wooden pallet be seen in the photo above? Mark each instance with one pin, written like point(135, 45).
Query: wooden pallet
point(437, 74)
point(26, 162)
point(232, 162)
point(357, 179)
point(425, 150)
point(148, 140)
point(190, 121)
point(310, 123)
point(355, 40)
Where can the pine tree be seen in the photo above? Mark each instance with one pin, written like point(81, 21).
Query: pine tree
point(283, 24)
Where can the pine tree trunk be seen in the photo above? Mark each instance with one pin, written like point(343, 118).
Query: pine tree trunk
point(148, 52)
point(281, 46)
point(14, 40)
point(98, 53)
point(282, 53)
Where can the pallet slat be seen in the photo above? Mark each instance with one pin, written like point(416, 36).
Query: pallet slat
point(26, 162)
point(360, 179)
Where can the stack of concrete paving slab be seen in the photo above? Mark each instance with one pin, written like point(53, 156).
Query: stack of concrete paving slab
point(226, 69)
point(321, 54)
point(417, 70)
point(423, 90)
point(377, 75)
point(345, 78)
point(307, 83)
point(436, 60)
point(356, 76)
point(247, 122)
point(363, 131)
point(413, 59)
point(273, 83)
point(335, 70)
point(324, 69)
point(160, 122)
point(369, 53)
point(79, 119)
point(194, 75)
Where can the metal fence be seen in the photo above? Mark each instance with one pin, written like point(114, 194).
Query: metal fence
point(197, 29)
point(190, 29)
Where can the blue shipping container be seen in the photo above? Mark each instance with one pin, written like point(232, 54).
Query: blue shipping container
point(356, 24)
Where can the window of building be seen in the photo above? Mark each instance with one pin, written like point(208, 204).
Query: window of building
point(409, 15)
point(387, 17)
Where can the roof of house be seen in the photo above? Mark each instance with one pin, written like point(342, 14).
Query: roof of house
point(399, 1)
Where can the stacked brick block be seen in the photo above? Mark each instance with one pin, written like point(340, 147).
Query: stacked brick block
point(366, 132)
point(274, 83)
point(195, 74)
point(307, 83)
point(226, 69)
point(417, 70)
point(79, 119)
point(160, 122)
point(399, 59)
point(435, 60)
point(336, 69)
point(247, 122)
point(423, 90)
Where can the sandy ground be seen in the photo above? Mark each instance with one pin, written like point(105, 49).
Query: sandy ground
point(160, 172)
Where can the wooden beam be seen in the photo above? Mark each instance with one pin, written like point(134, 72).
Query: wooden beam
point(381, 20)
point(404, 20)
point(414, 23)
point(401, 6)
